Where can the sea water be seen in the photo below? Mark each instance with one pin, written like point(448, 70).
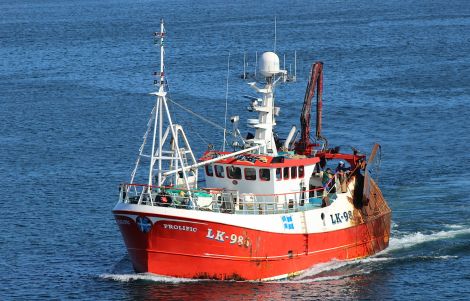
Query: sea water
point(74, 84)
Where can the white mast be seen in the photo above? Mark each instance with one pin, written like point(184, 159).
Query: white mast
point(161, 89)
point(159, 108)
point(269, 68)
point(178, 151)
point(244, 65)
point(295, 65)
point(256, 62)
point(226, 101)
point(275, 33)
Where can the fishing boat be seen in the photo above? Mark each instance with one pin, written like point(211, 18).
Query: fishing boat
point(269, 208)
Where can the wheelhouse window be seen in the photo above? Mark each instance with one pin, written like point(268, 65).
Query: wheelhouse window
point(278, 174)
point(209, 171)
point(234, 172)
point(293, 172)
point(301, 171)
point(250, 174)
point(219, 171)
point(265, 174)
point(286, 173)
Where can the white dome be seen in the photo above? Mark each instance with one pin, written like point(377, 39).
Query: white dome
point(269, 64)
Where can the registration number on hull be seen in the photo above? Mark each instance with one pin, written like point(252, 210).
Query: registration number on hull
point(225, 237)
point(338, 218)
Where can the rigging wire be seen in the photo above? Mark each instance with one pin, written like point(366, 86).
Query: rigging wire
point(144, 142)
point(189, 111)
point(202, 138)
point(198, 116)
point(226, 102)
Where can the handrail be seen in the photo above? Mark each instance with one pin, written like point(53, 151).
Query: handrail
point(166, 187)
point(284, 193)
point(223, 189)
point(226, 200)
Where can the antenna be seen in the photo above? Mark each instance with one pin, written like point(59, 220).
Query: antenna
point(256, 62)
point(275, 32)
point(244, 64)
point(295, 65)
point(226, 101)
point(161, 34)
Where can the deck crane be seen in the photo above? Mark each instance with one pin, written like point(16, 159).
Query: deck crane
point(304, 145)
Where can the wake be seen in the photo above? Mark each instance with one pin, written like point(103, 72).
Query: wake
point(145, 277)
point(340, 269)
point(335, 269)
point(413, 239)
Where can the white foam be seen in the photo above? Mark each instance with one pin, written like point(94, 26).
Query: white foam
point(345, 268)
point(146, 277)
point(416, 238)
point(396, 243)
point(455, 227)
point(323, 267)
point(349, 268)
point(437, 257)
point(319, 279)
point(338, 264)
point(367, 265)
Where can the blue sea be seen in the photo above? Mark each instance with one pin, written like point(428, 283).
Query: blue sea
point(74, 103)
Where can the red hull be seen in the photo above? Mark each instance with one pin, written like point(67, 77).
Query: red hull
point(192, 249)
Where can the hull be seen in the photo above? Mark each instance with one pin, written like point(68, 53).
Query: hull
point(191, 244)
point(270, 256)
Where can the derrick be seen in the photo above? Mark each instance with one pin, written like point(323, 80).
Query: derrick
point(304, 145)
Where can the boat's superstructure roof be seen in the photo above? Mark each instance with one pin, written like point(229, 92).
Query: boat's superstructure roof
point(259, 160)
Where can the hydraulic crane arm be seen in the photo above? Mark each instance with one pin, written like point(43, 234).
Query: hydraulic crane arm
point(304, 146)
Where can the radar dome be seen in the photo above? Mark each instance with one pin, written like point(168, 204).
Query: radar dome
point(269, 64)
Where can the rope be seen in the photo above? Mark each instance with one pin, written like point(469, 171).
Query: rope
point(141, 149)
point(200, 137)
point(198, 116)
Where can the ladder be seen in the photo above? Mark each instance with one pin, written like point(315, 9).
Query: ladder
point(303, 224)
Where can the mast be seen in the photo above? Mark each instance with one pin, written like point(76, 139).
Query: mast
point(275, 33)
point(177, 152)
point(158, 111)
point(295, 65)
point(226, 99)
point(161, 89)
point(162, 54)
point(244, 65)
point(264, 135)
point(256, 62)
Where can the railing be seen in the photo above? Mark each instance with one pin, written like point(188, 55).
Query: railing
point(143, 194)
point(227, 201)
point(279, 203)
point(232, 201)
